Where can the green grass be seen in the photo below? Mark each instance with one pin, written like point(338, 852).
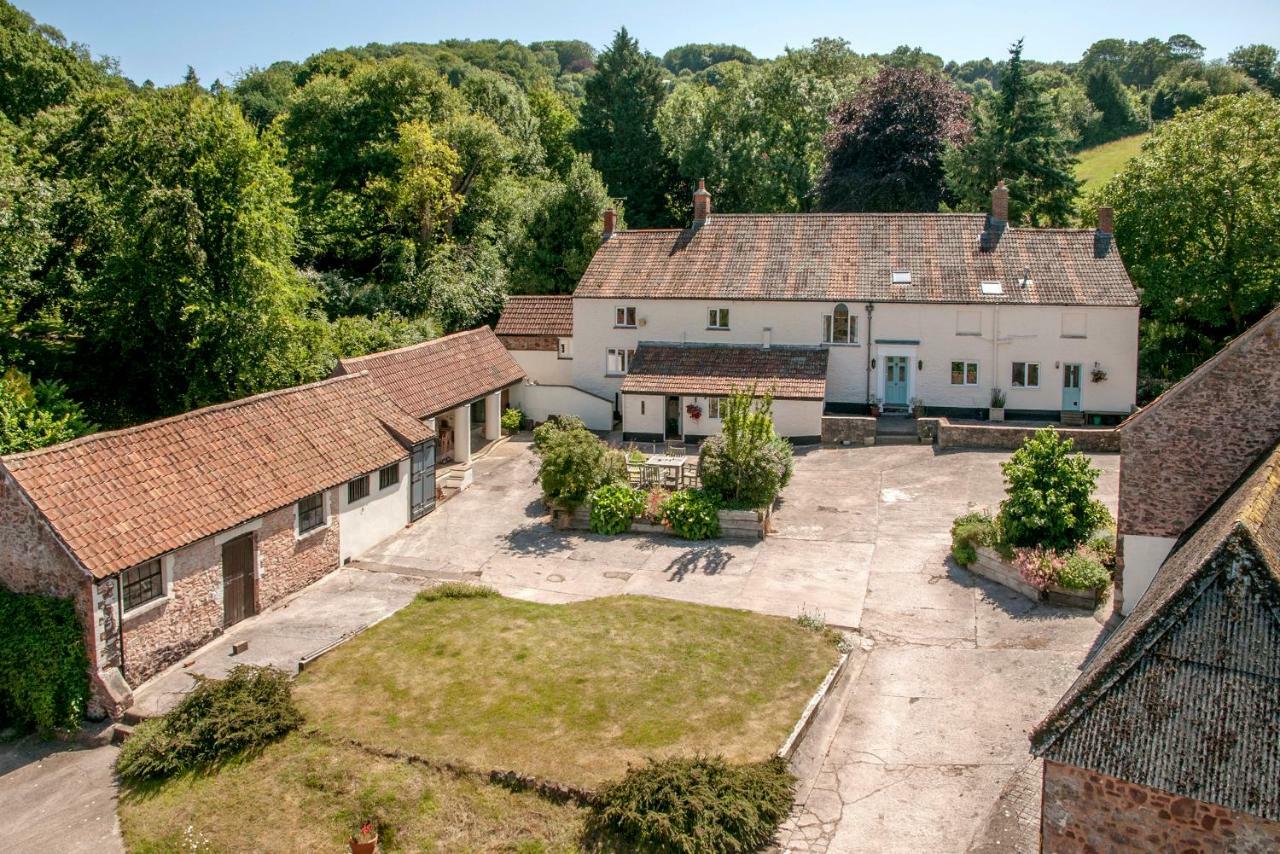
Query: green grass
point(572, 692)
point(1098, 164)
point(301, 795)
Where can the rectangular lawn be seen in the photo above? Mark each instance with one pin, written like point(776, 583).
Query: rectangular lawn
point(572, 693)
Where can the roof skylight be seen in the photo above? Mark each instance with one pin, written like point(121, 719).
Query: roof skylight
point(991, 288)
point(901, 277)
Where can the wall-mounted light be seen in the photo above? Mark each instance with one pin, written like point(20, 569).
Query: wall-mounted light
point(920, 365)
point(1055, 366)
point(873, 363)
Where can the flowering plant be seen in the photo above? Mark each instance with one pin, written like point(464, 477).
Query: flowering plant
point(694, 410)
point(1039, 567)
point(366, 833)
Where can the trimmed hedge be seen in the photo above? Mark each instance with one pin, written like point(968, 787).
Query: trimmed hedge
point(699, 804)
point(44, 670)
point(220, 718)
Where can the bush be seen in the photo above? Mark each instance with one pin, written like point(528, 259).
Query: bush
point(748, 464)
point(573, 464)
point(554, 426)
point(695, 805)
point(512, 420)
point(44, 671)
point(613, 508)
point(1038, 567)
point(692, 514)
point(968, 532)
point(1083, 571)
point(220, 718)
point(1049, 497)
point(653, 502)
point(456, 590)
point(615, 467)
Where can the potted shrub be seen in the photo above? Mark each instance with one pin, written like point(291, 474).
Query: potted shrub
point(997, 405)
point(364, 840)
point(873, 406)
point(512, 420)
point(917, 407)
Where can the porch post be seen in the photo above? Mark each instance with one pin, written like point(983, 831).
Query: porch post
point(493, 416)
point(462, 434)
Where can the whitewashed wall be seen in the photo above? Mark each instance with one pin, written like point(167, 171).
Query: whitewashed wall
point(1142, 557)
point(369, 521)
point(644, 413)
point(544, 367)
point(790, 417)
point(539, 402)
point(1004, 334)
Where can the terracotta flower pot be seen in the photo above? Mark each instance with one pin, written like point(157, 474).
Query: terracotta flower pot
point(358, 847)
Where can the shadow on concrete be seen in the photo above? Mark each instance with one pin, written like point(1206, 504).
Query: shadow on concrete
point(536, 509)
point(537, 539)
point(704, 560)
point(1013, 603)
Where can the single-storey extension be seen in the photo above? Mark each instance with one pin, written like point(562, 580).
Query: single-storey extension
point(164, 534)
point(1169, 740)
point(441, 382)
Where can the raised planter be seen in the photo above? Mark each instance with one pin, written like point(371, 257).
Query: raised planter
point(992, 567)
point(734, 524)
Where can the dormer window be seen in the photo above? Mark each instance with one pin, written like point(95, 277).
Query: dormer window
point(991, 288)
point(901, 277)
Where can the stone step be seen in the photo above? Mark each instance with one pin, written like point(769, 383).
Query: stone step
point(120, 733)
point(897, 439)
point(1072, 418)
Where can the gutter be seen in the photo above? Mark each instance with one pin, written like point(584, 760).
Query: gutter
point(870, 308)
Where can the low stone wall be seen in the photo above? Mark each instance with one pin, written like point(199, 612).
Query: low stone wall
point(992, 567)
point(848, 430)
point(1010, 437)
point(734, 524)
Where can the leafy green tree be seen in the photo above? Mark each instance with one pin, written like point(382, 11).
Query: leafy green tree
point(1016, 139)
point(571, 54)
point(175, 237)
point(35, 416)
point(356, 335)
point(905, 56)
point(1111, 99)
point(1049, 492)
point(748, 464)
point(39, 68)
point(563, 233)
point(1260, 62)
point(1189, 84)
point(885, 146)
point(617, 127)
point(467, 284)
point(1196, 219)
point(263, 93)
point(420, 196)
point(556, 125)
point(697, 57)
point(1073, 112)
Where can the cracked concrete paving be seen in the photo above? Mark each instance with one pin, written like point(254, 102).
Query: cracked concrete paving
point(930, 721)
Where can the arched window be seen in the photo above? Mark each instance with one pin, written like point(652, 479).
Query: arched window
point(839, 327)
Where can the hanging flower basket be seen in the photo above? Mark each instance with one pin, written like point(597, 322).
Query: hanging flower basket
point(694, 411)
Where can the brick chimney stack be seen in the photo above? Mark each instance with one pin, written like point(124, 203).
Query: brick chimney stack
point(997, 219)
point(701, 203)
point(610, 222)
point(1000, 202)
point(1102, 237)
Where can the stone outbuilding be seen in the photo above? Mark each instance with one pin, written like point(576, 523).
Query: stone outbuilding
point(450, 383)
point(164, 534)
point(1170, 738)
point(1181, 451)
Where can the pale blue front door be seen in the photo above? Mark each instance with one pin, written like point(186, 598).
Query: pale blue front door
point(895, 380)
point(1071, 387)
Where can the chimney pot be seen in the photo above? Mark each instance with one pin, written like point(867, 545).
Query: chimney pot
point(1106, 223)
point(610, 222)
point(701, 203)
point(1000, 202)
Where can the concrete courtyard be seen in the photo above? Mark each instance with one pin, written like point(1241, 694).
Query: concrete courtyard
point(925, 748)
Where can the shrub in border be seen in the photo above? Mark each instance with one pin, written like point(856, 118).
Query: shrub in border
point(692, 514)
point(613, 508)
point(699, 804)
point(967, 533)
point(1049, 499)
point(512, 420)
point(44, 670)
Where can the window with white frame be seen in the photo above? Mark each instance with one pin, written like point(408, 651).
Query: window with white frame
point(964, 373)
point(840, 326)
point(617, 361)
point(713, 407)
point(717, 318)
point(142, 583)
point(311, 513)
point(1026, 375)
point(624, 316)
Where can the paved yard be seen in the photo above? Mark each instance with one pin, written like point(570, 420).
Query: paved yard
point(953, 671)
point(58, 796)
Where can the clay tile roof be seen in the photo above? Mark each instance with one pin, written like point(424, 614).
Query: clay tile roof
point(543, 315)
point(852, 257)
point(789, 373)
point(428, 378)
point(1184, 696)
point(122, 497)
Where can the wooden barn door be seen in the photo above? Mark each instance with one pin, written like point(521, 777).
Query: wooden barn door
point(237, 580)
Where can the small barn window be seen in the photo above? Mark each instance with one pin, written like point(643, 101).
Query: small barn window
point(311, 513)
point(142, 584)
point(357, 489)
point(388, 475)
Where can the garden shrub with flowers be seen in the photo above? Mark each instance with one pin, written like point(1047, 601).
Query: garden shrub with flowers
point(1049, 523)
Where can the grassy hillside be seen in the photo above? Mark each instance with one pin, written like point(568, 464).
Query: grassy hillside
point(1099, 163)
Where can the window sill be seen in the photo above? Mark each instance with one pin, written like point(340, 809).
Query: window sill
point(841, 343)
point(616, 326)
point(1024, 388)
point(968, 334)
point(614, 375)
point(299, 536)
point(145, 608)
point(718, 329)
point(1075, 337)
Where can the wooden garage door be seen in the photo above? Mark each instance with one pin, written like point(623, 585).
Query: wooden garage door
point(237, 579)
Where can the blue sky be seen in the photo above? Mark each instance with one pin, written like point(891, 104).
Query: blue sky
point(157, 40)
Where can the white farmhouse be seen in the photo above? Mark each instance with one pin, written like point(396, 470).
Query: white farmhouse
point(837, 313)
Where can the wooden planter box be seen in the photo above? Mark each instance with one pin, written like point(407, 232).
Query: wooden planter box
point(992, 567)
point(734, 524)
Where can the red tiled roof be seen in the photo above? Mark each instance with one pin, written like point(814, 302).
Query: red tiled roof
point(122, 497)
point(542, 315)
point(852, 257)
point(428, 378)
point(789, 373)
